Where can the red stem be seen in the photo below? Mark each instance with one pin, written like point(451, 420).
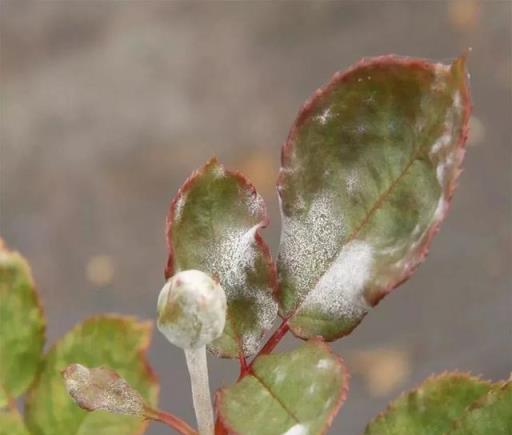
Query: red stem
point(170, 420)
point(244, 367)
point(273, 341)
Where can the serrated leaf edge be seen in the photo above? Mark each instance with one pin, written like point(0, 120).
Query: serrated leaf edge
point(479, 403)
point(392, 406)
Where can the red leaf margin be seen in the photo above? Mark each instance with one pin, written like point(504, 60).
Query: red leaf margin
point(340, 77)
point(223, 428)
point(432, 378)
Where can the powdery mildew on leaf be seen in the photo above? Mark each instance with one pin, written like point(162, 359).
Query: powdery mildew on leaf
point(102, 389)
point(367, 176)
point(213, 226)
point(293, 393)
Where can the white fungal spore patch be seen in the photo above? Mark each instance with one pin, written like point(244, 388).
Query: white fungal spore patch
point(298, 429)
point(178, 206)
point(324, 116)
point(324, 364)
point(444, 152)
point(340, 291)
point(309, 241)
point(441, 72)
point(352, 182)
point(255, 204)
point(231, 258)
point(441, 209)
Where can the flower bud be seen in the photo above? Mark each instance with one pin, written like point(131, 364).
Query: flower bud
point(191, 309)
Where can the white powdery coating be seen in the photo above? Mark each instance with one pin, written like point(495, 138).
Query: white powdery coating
point(441, 72)
point(178, 206)
point(324, 364)
point(255, 204)
point(352, 182)
point(102, 389)
point(298, 429)
point(324, 116)
point(441, 209)
point(309, 242)
point(231, 258)
point(444, 150)
point(340, 291)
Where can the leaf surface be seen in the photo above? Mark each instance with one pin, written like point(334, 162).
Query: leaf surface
point(116, 341)
point(11, 424)
point(431, 408)
point(101, 388)
point(367, 175)
point(492, 415)
point(213, 226)
point(293, 393)
point(22, 326)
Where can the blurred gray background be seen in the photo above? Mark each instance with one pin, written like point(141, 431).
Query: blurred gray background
point(107, 106)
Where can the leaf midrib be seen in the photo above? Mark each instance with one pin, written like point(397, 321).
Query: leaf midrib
point(378, 202)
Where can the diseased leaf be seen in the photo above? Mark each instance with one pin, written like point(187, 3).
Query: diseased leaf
point(431, 408)
point(293, 393)
point(102, 389)
point(491, 415)
point(12, 424)
point(367, 175)
point(22, 326)
point(115, 341)
point(213, 226)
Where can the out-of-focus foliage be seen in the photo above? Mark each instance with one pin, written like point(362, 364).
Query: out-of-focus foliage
point(22, 326)
point(115, 341)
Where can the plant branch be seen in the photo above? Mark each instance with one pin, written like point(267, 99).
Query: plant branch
point(170, 420)
point(198, 370)
point(11, 401)
point(272, 342)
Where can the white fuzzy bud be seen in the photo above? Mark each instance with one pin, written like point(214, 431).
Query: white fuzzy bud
point(191, 309)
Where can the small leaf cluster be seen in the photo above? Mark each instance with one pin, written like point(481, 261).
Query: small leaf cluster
point(27, 372)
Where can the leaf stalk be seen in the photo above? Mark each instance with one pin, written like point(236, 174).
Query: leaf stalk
point(198, 369)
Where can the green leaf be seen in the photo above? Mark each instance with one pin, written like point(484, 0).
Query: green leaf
point(491, 415)
point(431, 408)
point(367, 175)
point(22, 326)
point(213, 226)
point(116, 341)
point(11, 424)
point(293, 393)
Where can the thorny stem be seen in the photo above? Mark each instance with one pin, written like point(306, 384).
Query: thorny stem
point(198, 370)
point(170, 420)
